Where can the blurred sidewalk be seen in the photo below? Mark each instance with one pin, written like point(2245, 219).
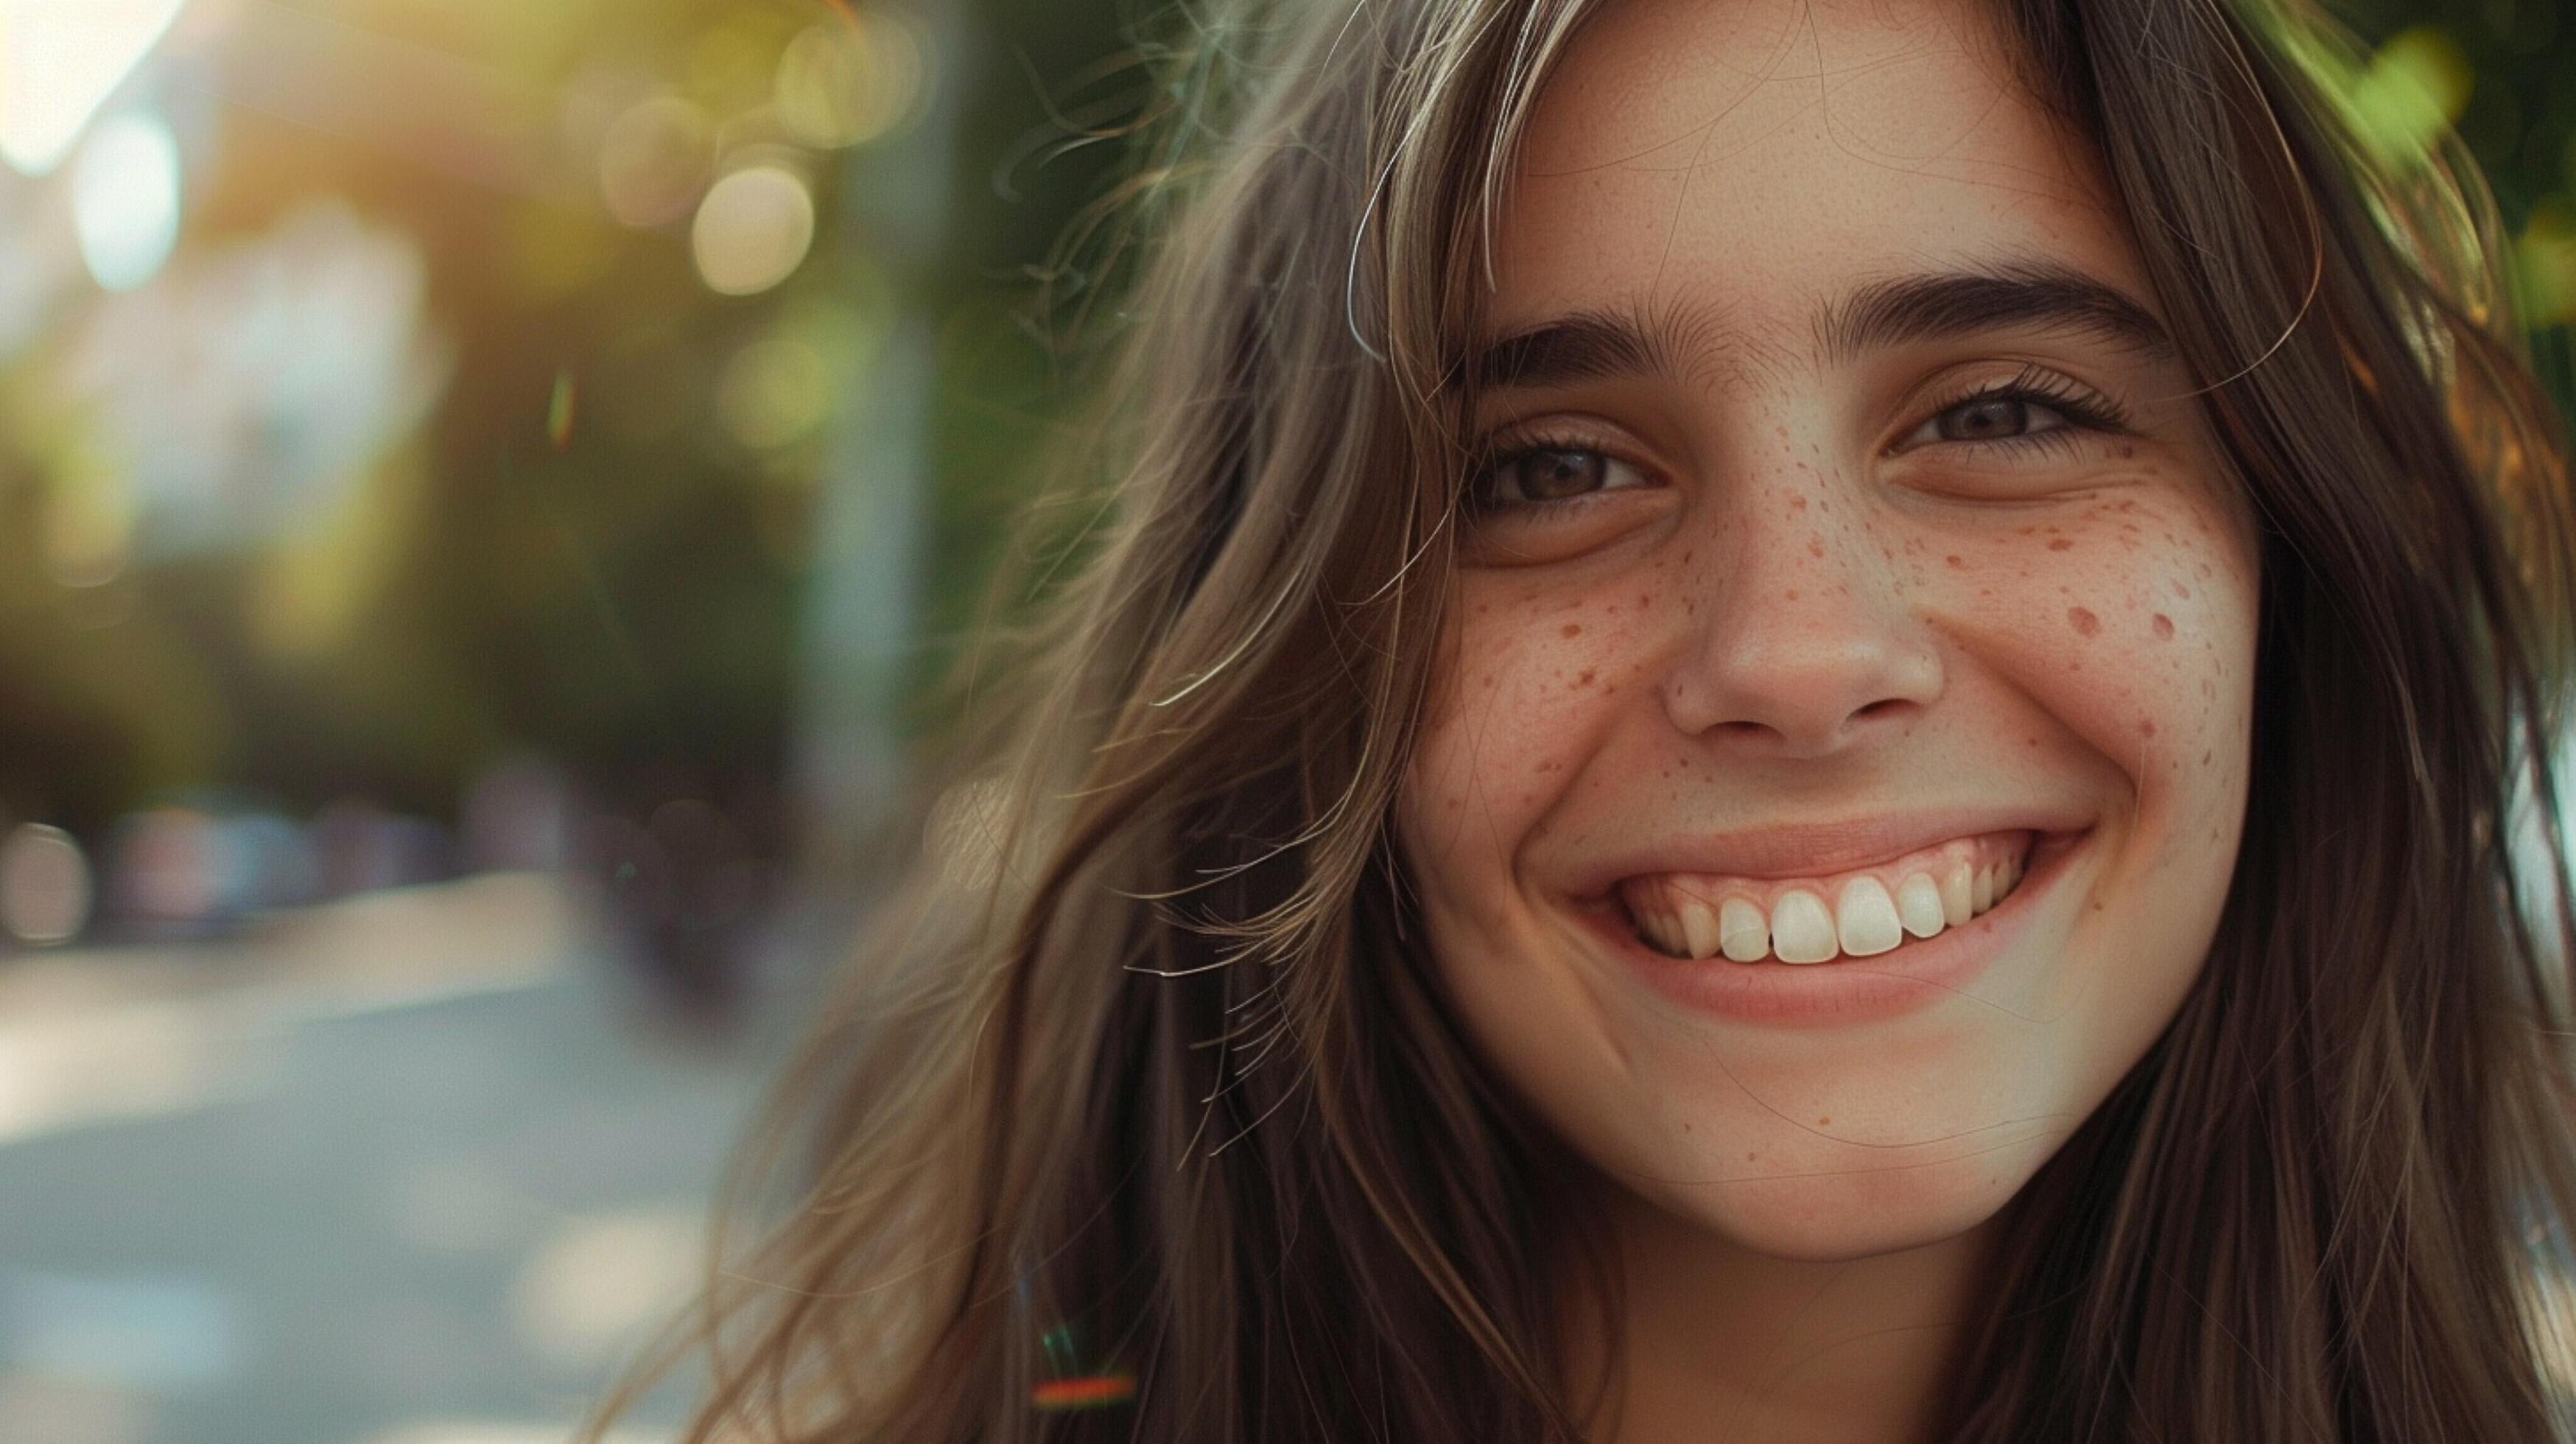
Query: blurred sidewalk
point(408, 1169)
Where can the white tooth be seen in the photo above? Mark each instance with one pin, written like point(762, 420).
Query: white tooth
point(1742, 932)
point(1958, 889)
point(1699, 924)
point(1983, 897)
point(1865, 918)
point(1801, 930)
point(1918, 905)
point(2007, 877)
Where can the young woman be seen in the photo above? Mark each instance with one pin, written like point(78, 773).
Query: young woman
point(1788, 720)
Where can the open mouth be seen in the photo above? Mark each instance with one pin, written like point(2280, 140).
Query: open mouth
point(1862, 913)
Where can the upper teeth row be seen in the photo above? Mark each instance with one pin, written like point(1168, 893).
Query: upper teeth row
point(1799, 929)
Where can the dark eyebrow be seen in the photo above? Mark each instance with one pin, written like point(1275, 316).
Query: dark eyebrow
point(2029, 294)
point(1591, 344)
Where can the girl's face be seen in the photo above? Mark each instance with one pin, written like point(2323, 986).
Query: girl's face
point(1841, 748)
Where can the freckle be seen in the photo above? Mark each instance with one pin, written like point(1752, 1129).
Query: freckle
point(2126, 452)
point(2204, 759)
point(2061, 545)
point(1570, 629)
point(1749, 1157)
point(1489, 679)
point(1686, 556)
point(1585, 680)
point(1790, 595)
point(2083, 621)
point(1815, 546)
point(2146, 727)
point(1823, 1119)
point(1797, 503)
point(1954, 561)
point(2164, 627)
point(2025, 531)
point(1641, 601)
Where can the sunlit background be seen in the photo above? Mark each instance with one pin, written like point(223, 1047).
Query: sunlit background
point(482, 485)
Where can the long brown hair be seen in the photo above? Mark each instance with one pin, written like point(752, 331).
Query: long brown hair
point(1143, 1071)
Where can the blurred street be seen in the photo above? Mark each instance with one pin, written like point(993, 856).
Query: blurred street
point(411, 1169)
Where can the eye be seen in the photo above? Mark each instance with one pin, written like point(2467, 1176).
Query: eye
point(2033, 408)
point(1995, 418)
point(1547, 472)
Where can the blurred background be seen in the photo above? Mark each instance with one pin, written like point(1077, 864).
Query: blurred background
point(483, 485)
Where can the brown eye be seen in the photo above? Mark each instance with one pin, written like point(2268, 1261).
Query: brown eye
point(1552, 475)
point(1994, 418)
point(1543, 474)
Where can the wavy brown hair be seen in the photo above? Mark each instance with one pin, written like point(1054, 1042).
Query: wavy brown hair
point(1144, 1069)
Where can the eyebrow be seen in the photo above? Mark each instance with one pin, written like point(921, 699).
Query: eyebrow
point(2034, 295)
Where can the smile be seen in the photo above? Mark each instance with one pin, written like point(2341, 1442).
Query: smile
point(1861, 913)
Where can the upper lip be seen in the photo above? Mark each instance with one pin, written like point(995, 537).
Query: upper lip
point(1814, 849)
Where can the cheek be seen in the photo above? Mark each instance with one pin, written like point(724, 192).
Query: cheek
point(1532, 681)
point(2131, 622)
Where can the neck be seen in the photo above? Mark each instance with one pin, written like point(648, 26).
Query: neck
point(1728, 1346)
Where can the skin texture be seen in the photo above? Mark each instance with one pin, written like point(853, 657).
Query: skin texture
point(1784, 595)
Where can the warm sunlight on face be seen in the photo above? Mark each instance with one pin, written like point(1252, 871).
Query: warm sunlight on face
point(1842, 746)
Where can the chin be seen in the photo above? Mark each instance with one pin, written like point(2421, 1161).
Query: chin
point(1841, 1210)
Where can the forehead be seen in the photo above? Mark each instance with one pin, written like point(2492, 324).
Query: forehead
point(1762, 156)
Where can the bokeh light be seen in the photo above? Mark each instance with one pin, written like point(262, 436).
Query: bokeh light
point(775, 392)
point(654, 159)
point(45, 888)
point(753, 230)
point(2418, 83)
point(60, 60)
point(125, 199)
point(847, 82)
point(2545, 267)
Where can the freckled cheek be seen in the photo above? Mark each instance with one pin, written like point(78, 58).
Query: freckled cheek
point(1527, 700)
point(2138, 640)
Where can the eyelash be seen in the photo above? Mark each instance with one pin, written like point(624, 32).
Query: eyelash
point(2083, 408)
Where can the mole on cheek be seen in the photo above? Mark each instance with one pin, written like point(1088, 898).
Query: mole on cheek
point(2062, 544)
point(2083, 621)
point(1570, 629)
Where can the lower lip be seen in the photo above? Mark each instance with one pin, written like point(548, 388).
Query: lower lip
point(1916, 973)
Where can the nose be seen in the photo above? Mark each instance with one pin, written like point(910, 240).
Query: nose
point(1804, 644)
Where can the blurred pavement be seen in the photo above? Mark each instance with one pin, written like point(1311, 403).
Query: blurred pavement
point(412, 1169)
